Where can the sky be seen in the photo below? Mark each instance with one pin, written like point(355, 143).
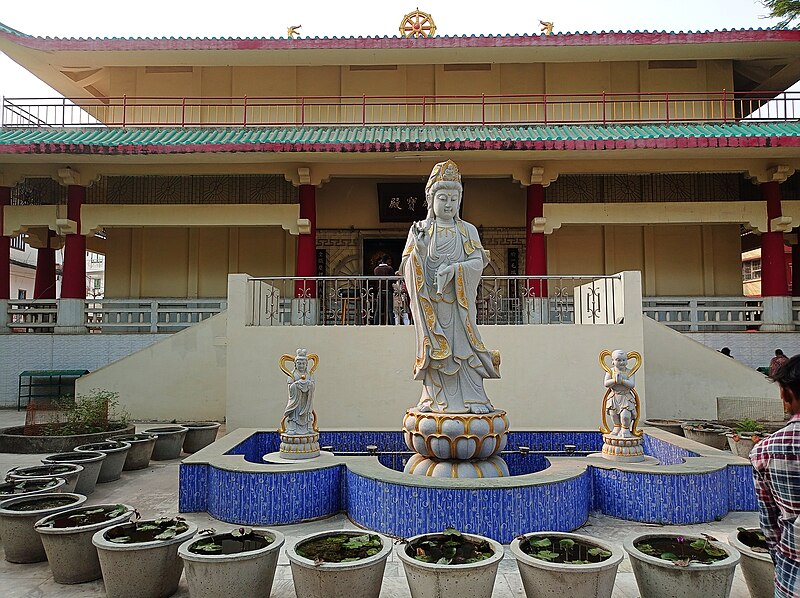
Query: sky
point(270, 18)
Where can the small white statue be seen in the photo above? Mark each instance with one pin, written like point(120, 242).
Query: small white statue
point(299, 417)
point(621, 403)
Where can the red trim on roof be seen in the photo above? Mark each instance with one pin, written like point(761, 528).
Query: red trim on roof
point(395, 146)
point(376, 43)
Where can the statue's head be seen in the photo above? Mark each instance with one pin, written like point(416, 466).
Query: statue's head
point(444, 184)
point(619, 359)
point(301, 360)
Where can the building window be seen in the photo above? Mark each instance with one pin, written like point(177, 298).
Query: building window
point(96, 282)
point(751, 270)
point(95, 258)
point(22, 294)
point(18, 242)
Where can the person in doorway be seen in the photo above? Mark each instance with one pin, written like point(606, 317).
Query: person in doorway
point(776, 362)
point(776, 473)
point(726, 351)
point(383, 306)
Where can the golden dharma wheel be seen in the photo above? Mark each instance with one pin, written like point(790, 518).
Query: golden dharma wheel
point(417, 24)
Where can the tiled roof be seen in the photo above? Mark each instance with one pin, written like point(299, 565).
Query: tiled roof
point(394, 138)
point(585, 38)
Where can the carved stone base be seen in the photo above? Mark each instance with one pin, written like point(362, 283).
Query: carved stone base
point(494, 467)
point(299, 446)
point(628, 450)
point(455, 436)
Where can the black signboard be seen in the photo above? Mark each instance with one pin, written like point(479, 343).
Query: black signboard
point(401, 202)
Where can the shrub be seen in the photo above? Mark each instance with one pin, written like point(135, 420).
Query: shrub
point(87, 414)
point(748, 426)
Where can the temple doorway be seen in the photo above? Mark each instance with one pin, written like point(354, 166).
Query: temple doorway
point(375, 248)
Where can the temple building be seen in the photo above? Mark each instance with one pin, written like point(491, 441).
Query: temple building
point(183, 161)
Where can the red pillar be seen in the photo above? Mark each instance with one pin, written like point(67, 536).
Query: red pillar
point(5, 248)
point(73, 284)
point(44, 286)
point(535, 248)
point(306, 264)
point(796, 270)
point(773, 262)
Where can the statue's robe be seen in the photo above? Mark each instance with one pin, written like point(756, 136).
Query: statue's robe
point(451, 359)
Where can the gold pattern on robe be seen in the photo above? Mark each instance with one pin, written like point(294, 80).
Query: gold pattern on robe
point(460, 294)
point(472, 338)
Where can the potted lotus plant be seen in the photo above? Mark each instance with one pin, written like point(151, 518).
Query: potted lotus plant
point(69, 472)
point(707, 433)
point(682, 566)
point(140, 559)
point(239, 563)
point(339, 564)
point(745, 436)
point(450, 563)
point(169, 441)
point(115, 450)
point(30, 486)
point(91, 462)
point(21, 543)
point(199, 435)
point(757, 565)
point(570, 564)
point(67, 539)
point(138, 456)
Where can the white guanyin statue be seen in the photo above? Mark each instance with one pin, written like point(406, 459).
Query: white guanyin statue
point(299, 413)
point(442, 264)
point(621, 400)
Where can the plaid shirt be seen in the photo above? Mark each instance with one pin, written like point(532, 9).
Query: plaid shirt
point(776, 472)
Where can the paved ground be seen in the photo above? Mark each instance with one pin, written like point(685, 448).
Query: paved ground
point(154, 492)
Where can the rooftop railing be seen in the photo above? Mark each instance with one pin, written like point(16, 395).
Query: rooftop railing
point(530, 109)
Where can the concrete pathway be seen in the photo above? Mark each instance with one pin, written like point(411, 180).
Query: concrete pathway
point(154, 492)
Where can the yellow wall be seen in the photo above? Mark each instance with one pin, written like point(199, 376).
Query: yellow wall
point(440, 79)
point(674, 260)
point(192, 262)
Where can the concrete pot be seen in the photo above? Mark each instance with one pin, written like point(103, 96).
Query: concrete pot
point(668, 425)
point(742, 444)
point(709, 434)
point(545, 579)
point(91, 462)
point(116, 453)
point(757, 567)
point(429, 580)
point(141, 450)
point(70, 553)
point(14, 440)
point(141, 570)
point(354, 579)
point(31, 487)
point(20, 541)
point(199, 435)
point(657, 578)
point(243, 575)
point(69, 472)
point(169, 441)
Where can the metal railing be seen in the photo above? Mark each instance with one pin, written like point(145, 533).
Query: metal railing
point(485, 109)
point(693, 314)
point(117, 315)
point(379, 300)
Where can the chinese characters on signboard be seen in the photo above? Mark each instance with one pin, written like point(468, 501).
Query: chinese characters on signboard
point(401, 202)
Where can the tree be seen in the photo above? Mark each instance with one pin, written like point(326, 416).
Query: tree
point(786, 10)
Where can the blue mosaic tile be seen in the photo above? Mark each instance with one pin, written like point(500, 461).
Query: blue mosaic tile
point(499, 513)
point(277, 498)
point(741, 489)
point(192, 488)
point(666, 452)
point(661, 498)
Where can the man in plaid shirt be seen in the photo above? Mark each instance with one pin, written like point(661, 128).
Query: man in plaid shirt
point(776, 472)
